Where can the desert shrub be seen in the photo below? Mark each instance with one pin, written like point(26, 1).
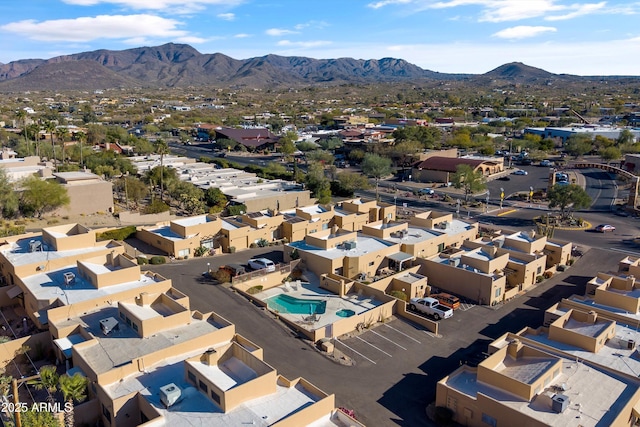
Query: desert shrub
point(253, 245)
point(157, 206)
point(539, 279)
point(117, 234)
point(296, 273)
point(571, 261)
point(254, 290)
point(294, 254)
point(262, 243)
point(200, 251)
point(53, 221)
point(232, 249)
point(157, 260)
point(142, 260)
point(222, 276)
point(399, 295)
point(548, 274)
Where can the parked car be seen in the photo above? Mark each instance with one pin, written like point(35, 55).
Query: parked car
point(428, 191)
point(546, 163)
point(447, 300)
point(603, 228)
point(504, 178)
point(521, 172)
point(431, 307)
point(262, 264)
point(234, 269)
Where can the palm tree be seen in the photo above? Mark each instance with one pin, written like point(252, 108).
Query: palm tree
point(22, 116)
point(74, 389)
point(162, 148)
point(49, 380)
point(81, 137)
point(34, 129)
point(61, 134)
point(51, 128)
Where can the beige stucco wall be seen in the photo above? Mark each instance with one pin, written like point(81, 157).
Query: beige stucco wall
point(88, 198)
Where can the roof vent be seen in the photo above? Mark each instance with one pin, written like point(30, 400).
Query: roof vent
point(35, 246)
point(170, 394)
point(69, 279)
point(108, 325)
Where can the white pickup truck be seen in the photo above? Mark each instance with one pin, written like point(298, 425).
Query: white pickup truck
point(432, 307)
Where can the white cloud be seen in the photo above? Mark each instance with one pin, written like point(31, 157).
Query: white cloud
point(383, 3)
point(157, 4)
point(278, 32)
point(227, 16)
point(191, 40)
point(305, 45)
point(242, 36)
point(523, 32)
point(580, 11)
point(506, 10)
point(311, 24)
point(85, 29)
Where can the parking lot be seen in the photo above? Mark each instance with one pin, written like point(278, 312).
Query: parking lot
point(381, 343)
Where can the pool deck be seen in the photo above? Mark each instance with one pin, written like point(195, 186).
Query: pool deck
point(309, 290)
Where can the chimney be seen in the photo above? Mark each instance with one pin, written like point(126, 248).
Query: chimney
point(144, 299)
point(334, 230)
point(513, 348)
point(210, 357)
point(631, 281)
point(592, 316)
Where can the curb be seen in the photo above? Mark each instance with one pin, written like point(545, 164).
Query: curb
point(585, 225)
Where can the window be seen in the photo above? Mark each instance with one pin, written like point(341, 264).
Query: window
point(390, 216)
point(122, 316)
point(371, 264)
point(106, 413)
point(441, 247)
point(135, 327)
point(325, 226)
point(539, 270)
point(191, 376)
point(489, 420)
point(128, 321)
point(547, 381)
point(203, 386)
point(183, 252)
point(556, 373)
point(498, 292)
point(215, 397)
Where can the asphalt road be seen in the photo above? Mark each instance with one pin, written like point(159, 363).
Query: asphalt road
point(399, 363)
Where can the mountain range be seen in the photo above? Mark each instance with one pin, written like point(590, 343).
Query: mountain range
point(180, 65)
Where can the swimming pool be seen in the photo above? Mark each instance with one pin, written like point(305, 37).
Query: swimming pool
point(345, 312)
point(292, 305)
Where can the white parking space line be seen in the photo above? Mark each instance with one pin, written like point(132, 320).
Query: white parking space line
point(431, 334)
point(465, 307)
point(391, 341)
point(356, 352)
point(379, 349)
point(402, 333)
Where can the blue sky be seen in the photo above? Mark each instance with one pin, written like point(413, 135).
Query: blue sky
point(452, 36)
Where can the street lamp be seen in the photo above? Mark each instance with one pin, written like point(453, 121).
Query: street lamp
point(458, 208)
point(501, 196)
point(488, 195)
point(395, 201)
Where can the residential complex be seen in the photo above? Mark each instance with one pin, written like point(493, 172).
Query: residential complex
point(579, 369)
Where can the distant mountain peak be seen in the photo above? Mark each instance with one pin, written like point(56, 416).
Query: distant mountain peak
point(518, 71)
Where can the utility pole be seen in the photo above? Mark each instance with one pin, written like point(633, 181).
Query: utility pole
point(16, 403)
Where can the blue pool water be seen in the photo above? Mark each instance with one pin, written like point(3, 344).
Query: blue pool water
point(345, 312)
point(291, 305)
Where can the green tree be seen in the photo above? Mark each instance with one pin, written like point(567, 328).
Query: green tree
point(41, 196)
point(376, 167)
point(287, 144)
point(162, 148)
point(50, 127)
point(22, 117)
point(306, 146)
point(8, 198)
point(568, 198)
point(610, 153)
point(470, 180)
point(81, 137)
point(356, 155)
point(318, 183)
point(215, 199)
point(134, 189)
point(625, 137)
point(348, 182)
point(62, 133)
point(330, 144)
point(578, 145)
point(74, 389)
point(48, 380)
point(38, 419)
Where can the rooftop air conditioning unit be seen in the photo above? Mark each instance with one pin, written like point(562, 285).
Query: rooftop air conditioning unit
point(170, 394)
point(350, 245)
point(69, 279)
point(454, 261)
point(35, 246)
point(559, 402)
point(108, 325)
